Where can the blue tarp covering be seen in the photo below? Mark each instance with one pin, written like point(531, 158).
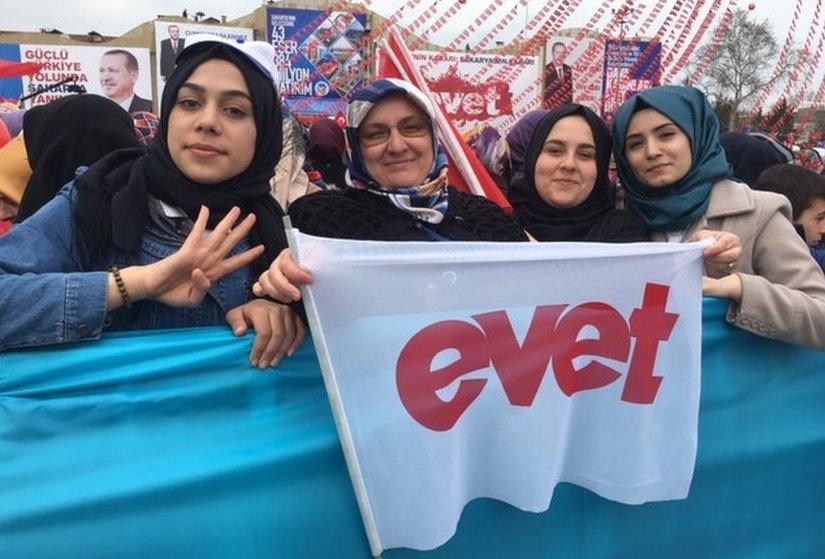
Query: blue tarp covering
point(167, 444)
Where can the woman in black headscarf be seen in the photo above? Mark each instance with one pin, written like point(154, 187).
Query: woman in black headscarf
point(564, 193)
point(143, 215)
point(397, 187)
point(66, 134)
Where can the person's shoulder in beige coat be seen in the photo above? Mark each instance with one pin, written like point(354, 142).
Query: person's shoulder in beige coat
point(783, 289)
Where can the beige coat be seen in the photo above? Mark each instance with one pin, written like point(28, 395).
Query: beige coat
point(783, 288)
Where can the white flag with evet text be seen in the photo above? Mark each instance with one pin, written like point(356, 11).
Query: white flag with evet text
point(459, 371)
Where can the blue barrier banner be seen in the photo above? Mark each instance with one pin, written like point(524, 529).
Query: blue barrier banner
point(167, 444)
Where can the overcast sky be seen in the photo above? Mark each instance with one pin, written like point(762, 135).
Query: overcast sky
point(114, 17)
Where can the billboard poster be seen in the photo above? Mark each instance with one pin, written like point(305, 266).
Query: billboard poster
point(471, 102)
point(119, 73)
point(169, 37)
point(572, 72)
point(629, 67)
point(318, 57)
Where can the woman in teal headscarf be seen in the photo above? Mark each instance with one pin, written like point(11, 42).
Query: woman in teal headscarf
point(677, 179)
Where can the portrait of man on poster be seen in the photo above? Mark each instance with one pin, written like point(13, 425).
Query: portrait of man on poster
point(169, 49)
point(119, 73)
point(558, 79)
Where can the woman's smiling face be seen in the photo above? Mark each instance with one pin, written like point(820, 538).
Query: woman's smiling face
point(211, 131)
point(658, 151)
point(397, 143)
point(565, 172)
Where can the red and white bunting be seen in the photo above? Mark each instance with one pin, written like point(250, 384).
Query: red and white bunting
point(716, 11)
point(686, 29)
point(818, 98)
point(786, 49)
point(494, 32)
point(446, 17)
point(807, 67)
point(464, 35)
point(716, 41)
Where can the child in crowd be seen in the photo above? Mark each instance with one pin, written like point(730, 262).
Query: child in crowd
point(806, 191)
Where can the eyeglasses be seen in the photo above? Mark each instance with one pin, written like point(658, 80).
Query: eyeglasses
point(376, 134)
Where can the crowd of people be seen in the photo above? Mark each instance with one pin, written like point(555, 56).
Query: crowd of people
point(115, 223)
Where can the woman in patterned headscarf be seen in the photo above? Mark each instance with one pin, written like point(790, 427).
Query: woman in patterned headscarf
point(396, 179)
point(678, 180)
point(397, 187)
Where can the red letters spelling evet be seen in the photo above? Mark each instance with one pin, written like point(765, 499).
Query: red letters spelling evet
point(552, 335)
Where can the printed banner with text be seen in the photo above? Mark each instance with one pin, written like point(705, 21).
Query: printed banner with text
point(569, 74)
point(469, 103)
point(492, 370)
point(318, 56)
point(629, 67)
point(121, 74)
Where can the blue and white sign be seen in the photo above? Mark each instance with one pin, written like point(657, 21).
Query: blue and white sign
point(319, 57)
point(629, 67)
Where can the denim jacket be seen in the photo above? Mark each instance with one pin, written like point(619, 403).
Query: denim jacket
point(48, 297)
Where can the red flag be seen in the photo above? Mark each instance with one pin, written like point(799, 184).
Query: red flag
point(10, 69)
point(466, 172)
